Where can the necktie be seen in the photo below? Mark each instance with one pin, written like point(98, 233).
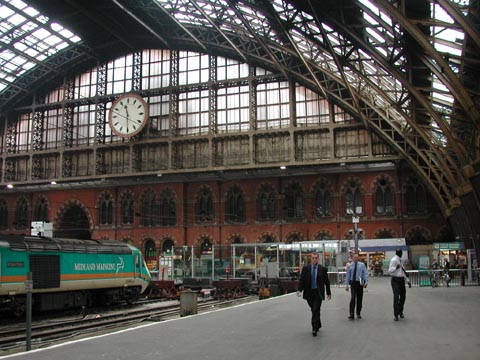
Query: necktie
point(314, 277)
point(354, 277)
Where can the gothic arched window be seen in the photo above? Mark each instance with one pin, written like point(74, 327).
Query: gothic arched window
point(3, 214)
point(383, 198)
point(41, 210)
point(294, 202)
point(21, 214)
point(126, 209)
point(168, 209)
point(323, 201)
point(353, 199)
point(150, 209)
point(235, 206)
point(416, 197)
point(204, 206)
point(266, 204)
point(105, 216)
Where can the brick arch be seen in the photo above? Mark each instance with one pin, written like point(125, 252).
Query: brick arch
point(321, 232)
point(298, 234)
point(293, 182)
point(265, 234)
point(319, 181)
point(239, 187)
point(126, 192)
point(229, 239)
point(103, 195)
point(200, 238)
point(65, 207)
point(144, 193)
point(378, 233)
point(260, 187)
point(356, 179)
point(411, 233)
point(165, 238)
point(444, 234)
point(171, 190)
point(380, 177)
point(207, 187)
point(38, 199)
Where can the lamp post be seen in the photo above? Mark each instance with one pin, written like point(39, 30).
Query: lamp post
point(355, 221)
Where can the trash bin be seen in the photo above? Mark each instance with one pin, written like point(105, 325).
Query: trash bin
point(188, 302)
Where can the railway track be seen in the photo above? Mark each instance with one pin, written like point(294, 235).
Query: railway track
point(13, 338)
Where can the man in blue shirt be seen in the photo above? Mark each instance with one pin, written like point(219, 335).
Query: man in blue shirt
point(357, 278)
point(314, 283)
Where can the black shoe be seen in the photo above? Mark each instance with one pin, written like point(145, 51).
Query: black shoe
point(359, 316)
point(351, 317)
point(314, 332)
point(395, 318)
point(402, 316)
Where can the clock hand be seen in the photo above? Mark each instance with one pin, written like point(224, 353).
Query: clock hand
point(128, 116)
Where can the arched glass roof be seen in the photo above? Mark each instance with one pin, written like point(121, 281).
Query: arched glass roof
point(407, 69)
point(26, 39)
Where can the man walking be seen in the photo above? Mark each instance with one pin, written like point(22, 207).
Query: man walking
point(398, 274)
point(314, 282)
point(357, 278)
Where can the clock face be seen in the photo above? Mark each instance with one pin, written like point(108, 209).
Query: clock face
point(128, 115)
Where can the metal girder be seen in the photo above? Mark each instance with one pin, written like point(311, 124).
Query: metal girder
point(142, 23)
point(257, 38)
point(453, 10)
point(436, 60)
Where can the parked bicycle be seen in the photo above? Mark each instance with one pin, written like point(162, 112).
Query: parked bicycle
point(434, 278)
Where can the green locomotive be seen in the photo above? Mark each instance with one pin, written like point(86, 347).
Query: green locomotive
point(68, 273)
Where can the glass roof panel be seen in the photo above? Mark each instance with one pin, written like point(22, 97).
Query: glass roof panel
point(27, 39)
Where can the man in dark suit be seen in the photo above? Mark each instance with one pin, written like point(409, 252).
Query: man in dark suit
point(314, 282)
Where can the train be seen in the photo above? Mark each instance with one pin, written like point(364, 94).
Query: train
point(68, 273)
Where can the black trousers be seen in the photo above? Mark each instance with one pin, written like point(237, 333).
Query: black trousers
point(399, 295)
point(356, 297)
point(315, 303)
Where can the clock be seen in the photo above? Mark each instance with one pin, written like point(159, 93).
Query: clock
point(128, 115)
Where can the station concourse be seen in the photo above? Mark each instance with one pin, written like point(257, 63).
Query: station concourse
point(440, 323)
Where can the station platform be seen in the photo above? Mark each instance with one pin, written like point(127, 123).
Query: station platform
point(440, 323)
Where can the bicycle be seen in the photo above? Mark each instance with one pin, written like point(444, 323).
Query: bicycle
point(434, 278)
point(446, 278)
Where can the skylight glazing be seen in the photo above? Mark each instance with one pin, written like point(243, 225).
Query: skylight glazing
point(26, 39)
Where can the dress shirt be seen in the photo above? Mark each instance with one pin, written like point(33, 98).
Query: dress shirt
point(362, 273)
point(392, 269)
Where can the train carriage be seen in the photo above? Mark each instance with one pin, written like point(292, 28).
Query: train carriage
point(69, 272)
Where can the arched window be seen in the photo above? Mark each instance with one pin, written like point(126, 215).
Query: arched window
point(206, 247)
point(294, 202)
point(126, 208)
point(3, 214)
point(150, 209)
point(21, 214)
point(323, 235)
point(150, 254)
point(266, 204)
point(235, 206)
point(323, 201)
point(383, 198)
point(353, 199)
point(416, 197)
point(204, 206)
point(168, 210)
point(41, 210)
point(167, 247)
point(105, 216)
